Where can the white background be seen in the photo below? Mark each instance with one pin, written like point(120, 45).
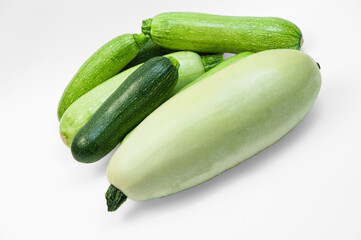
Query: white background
point(306, 186)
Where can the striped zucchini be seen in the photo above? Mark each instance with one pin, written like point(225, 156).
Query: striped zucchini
point(214, 125)
point(191, 67)
point(140, 94)
point(102, 65)
point(214, 33)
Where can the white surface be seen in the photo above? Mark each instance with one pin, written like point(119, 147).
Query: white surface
point(306, 186)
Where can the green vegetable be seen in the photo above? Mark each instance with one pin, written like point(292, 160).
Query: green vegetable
point(214, 33)
point(102, 65)
point(115, 198)
point(191, 67)
point(215, 124)
point(140, 94)
point(223, 64)
point(148, 51)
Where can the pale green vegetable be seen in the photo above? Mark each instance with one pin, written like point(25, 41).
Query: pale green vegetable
point(223, 64)
point(215, 124)
point(191, 67)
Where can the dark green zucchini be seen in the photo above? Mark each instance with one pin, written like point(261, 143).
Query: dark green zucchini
point(148, 51)
point(140, 94)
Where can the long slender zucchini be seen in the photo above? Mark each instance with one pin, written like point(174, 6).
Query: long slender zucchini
point(102, 65)
point(214, 125)
point(191, 67)
point(140, 94)
point(214, 33)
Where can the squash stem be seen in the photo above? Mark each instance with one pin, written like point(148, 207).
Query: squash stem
point(140, 39)
point(146, 25)
point(210, 61)
point(115, 198)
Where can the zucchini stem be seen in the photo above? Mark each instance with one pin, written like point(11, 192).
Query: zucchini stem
point(140, 39)
point(210, 61)
point(115, 198)
point(146, 25)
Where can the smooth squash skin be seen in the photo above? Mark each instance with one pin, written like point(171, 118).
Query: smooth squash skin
point(220, 66)
point(102, 65)
point(191, 67)
point(216, 124)
point(214, 33)
point(140, 94)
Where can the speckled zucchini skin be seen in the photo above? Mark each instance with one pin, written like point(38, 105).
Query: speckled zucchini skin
point(102, 65)
point(141, 93)
point(214, 33)
point(191, 67)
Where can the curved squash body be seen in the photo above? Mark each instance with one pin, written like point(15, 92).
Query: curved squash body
point(202, 32)
point(105, 63)
point(216, 124)
point(78, 114)
point(140, 94)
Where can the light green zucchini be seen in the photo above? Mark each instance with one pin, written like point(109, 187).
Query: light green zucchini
point(191, 67)
point(215, 124)
point(102, 65)
point(214, 33)
point(220, 66)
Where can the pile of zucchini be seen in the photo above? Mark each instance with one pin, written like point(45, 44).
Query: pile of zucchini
point(180, 112)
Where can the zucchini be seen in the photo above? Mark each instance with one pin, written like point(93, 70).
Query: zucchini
point(191, 67)
point(102, 65)
point(142, 92)
point(215, 124)
point(148, 51)
point(214, 33)
point(223, 64)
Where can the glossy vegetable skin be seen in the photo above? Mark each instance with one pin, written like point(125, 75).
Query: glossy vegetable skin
point(214, 33)
point(216, 124)
point(191, 67)
point(102, 65)
point(220, 66)
point(141, 93)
